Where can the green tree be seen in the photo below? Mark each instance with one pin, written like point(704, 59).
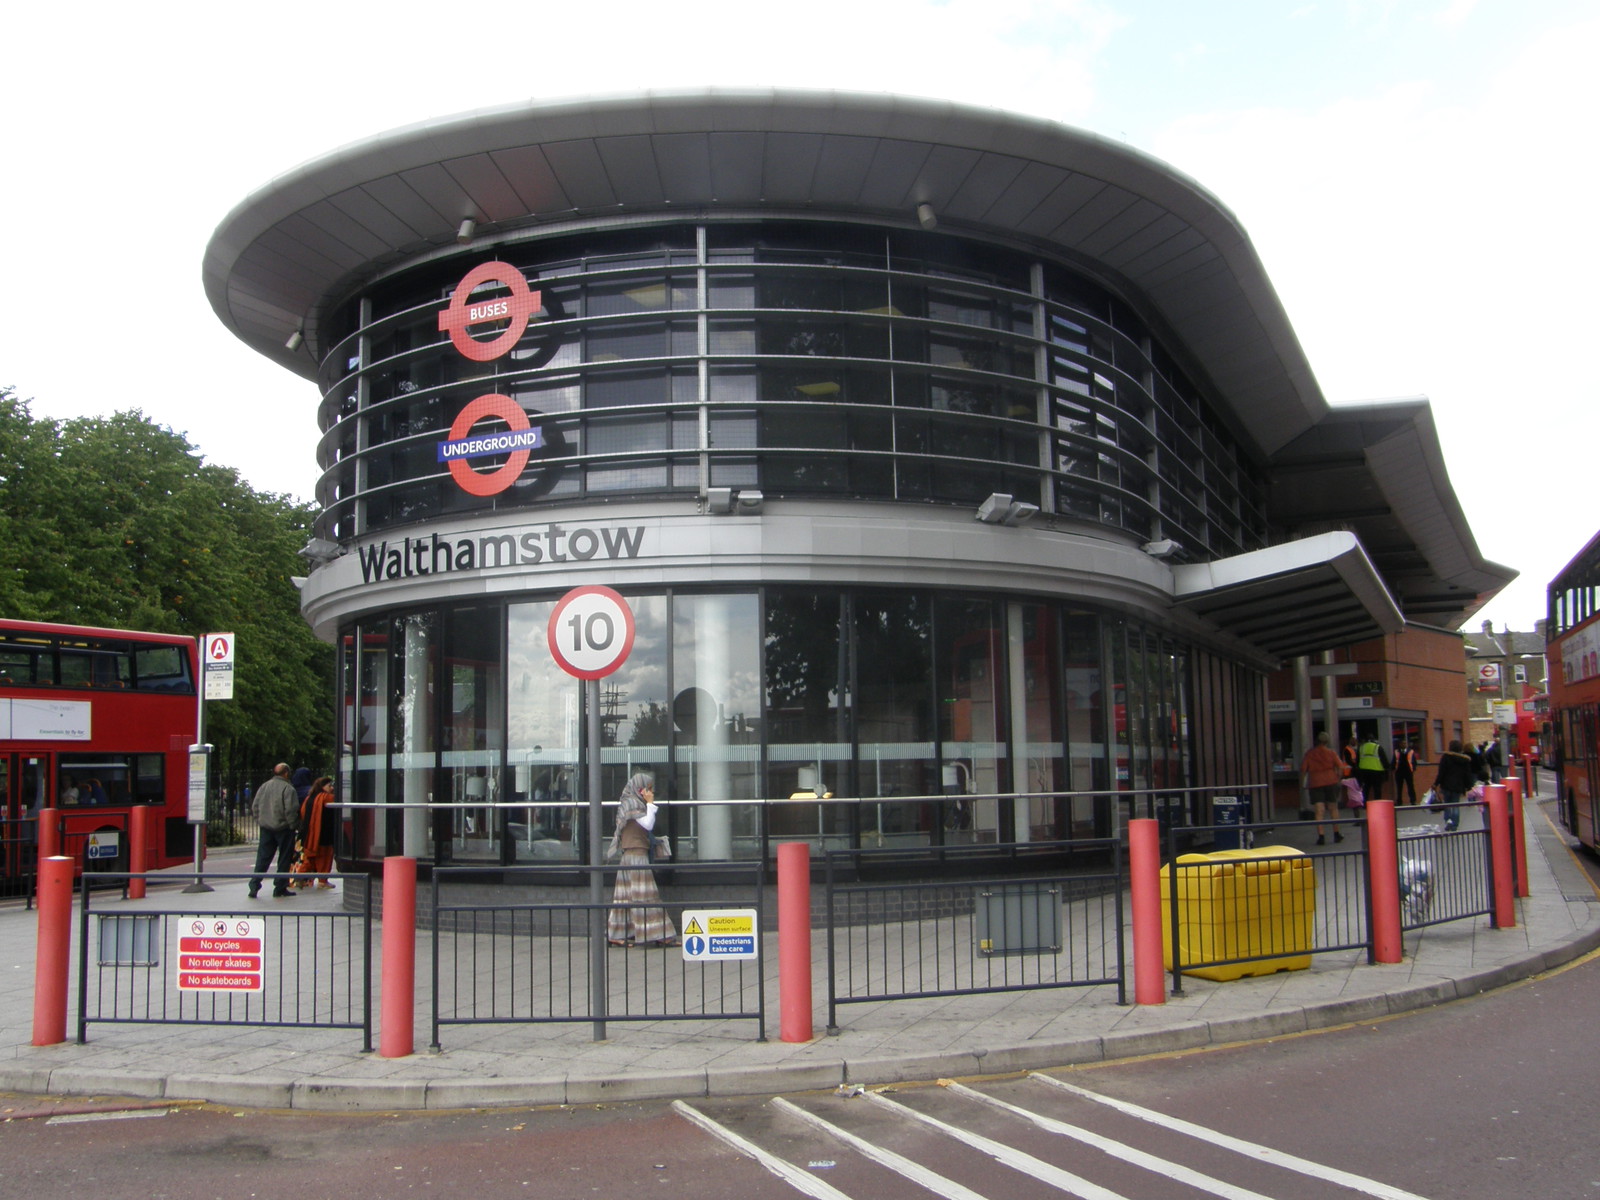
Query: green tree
point(117, 521)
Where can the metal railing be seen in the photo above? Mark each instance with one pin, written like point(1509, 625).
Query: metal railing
point(504, 961)
point(1445, 874)
point(223, 965)
point(1262, 910)
point(19, 857)
point(1051, 927)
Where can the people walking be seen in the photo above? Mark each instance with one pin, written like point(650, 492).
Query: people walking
point(316, 836)
point(1323, 773)
point(1456, 777)
point(1405, 772)
point(277, 811)
point(1372, 767)
point(637, 917)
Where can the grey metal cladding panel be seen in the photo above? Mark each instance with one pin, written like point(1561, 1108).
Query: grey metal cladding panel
point(1132, 233)
point(291, 258)
point(1024, 194)
point(1069, 196)
point(943, 174)
point(630, 164)
point(339, 225)
point(316, 238)
point(441, 192)
point(529, 173)
point(737, 166)
point(842, 169)
point(790, 166)
point(1170, 256)
point(1107, 205)
point(892, 174)
point(577, 164)
point(372, 215)
point(420, 217)
point(991, 175)
point(482, 179)
point(684, 160)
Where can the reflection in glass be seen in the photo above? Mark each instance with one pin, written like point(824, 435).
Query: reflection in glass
point(807, 721)
point(894, 725)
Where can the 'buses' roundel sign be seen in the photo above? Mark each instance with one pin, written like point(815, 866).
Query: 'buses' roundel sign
point(590, 632)
point(462, 313)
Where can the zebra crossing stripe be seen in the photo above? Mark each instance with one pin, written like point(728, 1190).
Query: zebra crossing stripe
point(1266, 1154)
point(938, 1184)
point(796, 1177)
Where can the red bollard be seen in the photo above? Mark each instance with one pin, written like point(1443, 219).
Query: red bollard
point(1144, 878)
point(398, 1014)
point(1519, 836)
point(1383, 856)
point(794, 942)
point(49, 833)
point(138, 846)
point(53, 952)
point(1496, 810)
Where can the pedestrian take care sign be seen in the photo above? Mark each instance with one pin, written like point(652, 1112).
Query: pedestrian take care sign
point(719, 934)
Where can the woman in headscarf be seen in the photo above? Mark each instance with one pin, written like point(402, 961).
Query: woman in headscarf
point(637, 917)
point(316, 835)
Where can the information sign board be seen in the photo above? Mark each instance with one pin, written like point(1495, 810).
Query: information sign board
point(719, 934)
point(220, 954)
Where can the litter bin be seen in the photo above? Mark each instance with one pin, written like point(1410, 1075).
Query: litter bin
point(1229, 814)
point(1256, 904)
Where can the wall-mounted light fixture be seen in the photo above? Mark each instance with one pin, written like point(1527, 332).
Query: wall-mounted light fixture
point(1163, 548)
point(320, 551)
point(466, 231)
point(741, 502)
point(1001, 508)
point(296, 340)
point(926, 217)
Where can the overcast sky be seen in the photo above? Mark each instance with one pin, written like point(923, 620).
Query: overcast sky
point(1418, 178)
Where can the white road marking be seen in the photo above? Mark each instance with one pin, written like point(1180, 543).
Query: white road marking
point(126, 1114)
point(916, 1172)
point(1066, 1181)
point(1266, 1154)
point(1139, 1158)
point(796, 1177)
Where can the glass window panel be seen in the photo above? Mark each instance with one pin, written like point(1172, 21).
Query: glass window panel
point(716, 717)
point(473, 734)
point(972, 708)
point(806, 719)
point(543, 722)
point(892, 702)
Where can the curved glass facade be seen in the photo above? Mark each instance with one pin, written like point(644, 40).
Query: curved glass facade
point(935, 717)
point(802, 359)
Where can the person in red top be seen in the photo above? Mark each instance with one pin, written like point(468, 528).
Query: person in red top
point(1322, 773)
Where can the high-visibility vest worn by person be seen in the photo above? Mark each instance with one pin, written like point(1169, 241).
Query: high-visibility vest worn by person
point(1369, 757)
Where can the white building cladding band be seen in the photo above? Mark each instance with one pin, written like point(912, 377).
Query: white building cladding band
point(957, 466)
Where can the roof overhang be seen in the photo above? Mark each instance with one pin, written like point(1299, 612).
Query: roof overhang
point(1314, 594)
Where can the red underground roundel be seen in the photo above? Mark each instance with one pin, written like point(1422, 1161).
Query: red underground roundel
point(463, 312)
point(518, 441)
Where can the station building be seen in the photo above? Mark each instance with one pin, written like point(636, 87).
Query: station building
point(962, 471)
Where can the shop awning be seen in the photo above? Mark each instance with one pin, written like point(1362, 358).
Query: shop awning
point(1296, 598)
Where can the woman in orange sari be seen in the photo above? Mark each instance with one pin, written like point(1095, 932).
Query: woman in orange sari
point(316, 835)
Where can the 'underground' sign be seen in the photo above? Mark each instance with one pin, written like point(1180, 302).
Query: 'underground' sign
point(519, 438)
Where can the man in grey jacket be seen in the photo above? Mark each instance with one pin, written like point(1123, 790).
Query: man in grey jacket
point(277, 810)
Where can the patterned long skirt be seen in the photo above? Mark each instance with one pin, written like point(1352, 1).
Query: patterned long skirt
point(637, 914)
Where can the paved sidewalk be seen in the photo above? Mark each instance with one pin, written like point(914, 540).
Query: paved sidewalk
point(485, 1065)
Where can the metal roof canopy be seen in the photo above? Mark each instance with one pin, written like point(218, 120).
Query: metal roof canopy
point(1296, 598)
point(298, 246)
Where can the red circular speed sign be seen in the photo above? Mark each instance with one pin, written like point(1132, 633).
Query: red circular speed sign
point(590, 632)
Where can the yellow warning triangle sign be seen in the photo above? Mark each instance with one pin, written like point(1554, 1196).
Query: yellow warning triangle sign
point(694, 926)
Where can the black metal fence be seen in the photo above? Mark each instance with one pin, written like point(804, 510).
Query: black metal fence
point(223, 965)
point(1238, 910)
point(944, 935)
point(1446, 874)
point(19, 857)
point(509, 955)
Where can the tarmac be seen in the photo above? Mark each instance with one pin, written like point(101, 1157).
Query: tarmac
point(878, 1043)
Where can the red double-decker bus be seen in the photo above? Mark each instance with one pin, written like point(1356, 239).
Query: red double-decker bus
point(93, 723)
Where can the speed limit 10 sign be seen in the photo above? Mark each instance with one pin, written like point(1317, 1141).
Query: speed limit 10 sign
point(590, 632)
